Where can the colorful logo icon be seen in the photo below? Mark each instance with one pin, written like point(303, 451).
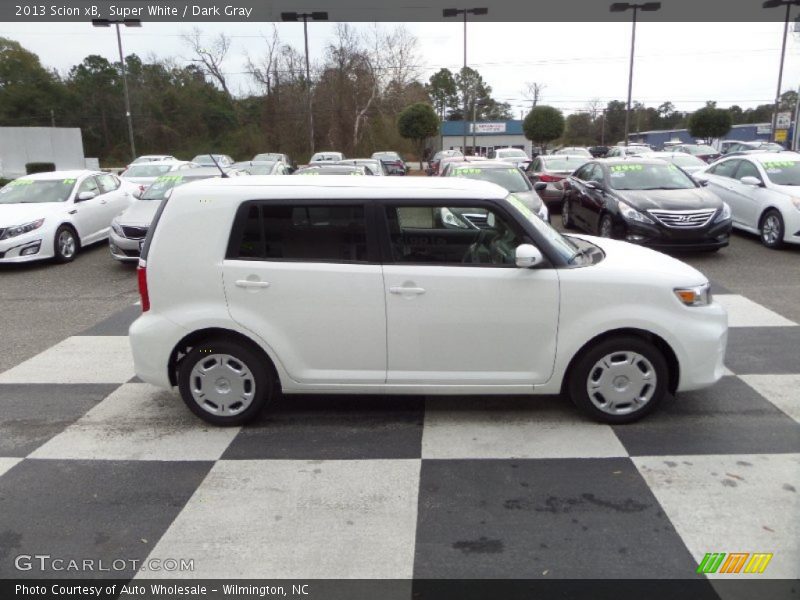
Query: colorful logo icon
point(734, 562)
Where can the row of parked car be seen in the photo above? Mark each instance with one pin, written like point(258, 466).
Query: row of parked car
point(52, 215)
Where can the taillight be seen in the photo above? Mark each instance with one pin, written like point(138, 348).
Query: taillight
point(141, 276)
point(549, 178)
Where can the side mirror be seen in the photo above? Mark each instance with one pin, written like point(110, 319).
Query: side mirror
point(750, 180)
point(527, 256)
point(540, 186)
point(85, 196)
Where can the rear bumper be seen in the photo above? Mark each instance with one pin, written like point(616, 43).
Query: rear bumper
point(152, 338)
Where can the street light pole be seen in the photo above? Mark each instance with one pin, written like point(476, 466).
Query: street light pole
point(314, 16)
point(128, 116)
point(622, 7)
point(454, 12)
point(775, 4)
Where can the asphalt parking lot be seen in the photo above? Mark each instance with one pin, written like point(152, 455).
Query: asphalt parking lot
point(391, 487)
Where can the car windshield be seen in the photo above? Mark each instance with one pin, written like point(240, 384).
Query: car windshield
point(701, 149)
point(161, 187)
point(561, 244)
point(512, 153)
point(686, 160)
point(267, 156)
point(511, 178)
point(782, 172)
point(562, 164)
point(147, 170)
point(35, 191)
point(648, 176)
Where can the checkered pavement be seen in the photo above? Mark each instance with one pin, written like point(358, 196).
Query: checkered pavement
point(94, 463)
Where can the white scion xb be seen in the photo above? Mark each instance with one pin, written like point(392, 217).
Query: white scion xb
point(348, 285)
point(51, 215)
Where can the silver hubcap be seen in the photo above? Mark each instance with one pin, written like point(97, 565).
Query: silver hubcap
point(565, 214)
point(66, 244)
point(621, 383)
point(222, 385)
point(771, 230)
point(605, 228)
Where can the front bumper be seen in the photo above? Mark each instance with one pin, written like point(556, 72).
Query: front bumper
point(702, 352)
point(27, 247)
point(658, 237)
point(123, 249)
point(791, 223)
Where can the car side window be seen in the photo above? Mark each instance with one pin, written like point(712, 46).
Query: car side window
point(584, 173)
point(88, 185)
point(299, 232)
point(108, 183)
point(451, 236)
point(596, 174)
point(748, 169)
point(725, 169)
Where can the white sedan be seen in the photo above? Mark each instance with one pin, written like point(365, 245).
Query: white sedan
point(52, 215)
point(763, 191)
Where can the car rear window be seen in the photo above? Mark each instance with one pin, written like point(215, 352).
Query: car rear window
point(297, 232)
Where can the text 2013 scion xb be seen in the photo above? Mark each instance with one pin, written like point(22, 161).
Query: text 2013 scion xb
point(367, 285)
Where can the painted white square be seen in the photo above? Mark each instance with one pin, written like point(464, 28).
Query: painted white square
point(743, 312)
point(273, 519)
point(782, 390)
point(139, 422)
point(78, 359)
point(512, 428)
point(732, 503)
point(7, 463)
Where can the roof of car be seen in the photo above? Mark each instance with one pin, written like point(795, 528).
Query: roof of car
point(626, 160)
point(774, 156)
point(62, 174)
point(338, 187)
point(484, 164)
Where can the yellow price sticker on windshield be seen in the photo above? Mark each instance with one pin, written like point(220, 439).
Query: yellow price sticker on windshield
point(169, 178)
point(21, 182)
point(779, 164)
point(467, 171)
point(624, 168)
point(68, 181)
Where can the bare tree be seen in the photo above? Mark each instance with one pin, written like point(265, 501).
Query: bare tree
point(265, 70)
point(533, 92)
point(210, 56)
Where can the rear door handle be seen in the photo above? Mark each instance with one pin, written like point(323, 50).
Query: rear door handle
point(406, 290)
point(247, 283)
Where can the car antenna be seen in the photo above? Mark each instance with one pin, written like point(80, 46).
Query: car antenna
point(216, 164)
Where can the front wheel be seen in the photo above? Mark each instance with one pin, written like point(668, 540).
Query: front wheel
point(772, 229)
point(65, 244)
point(620, 380)
point(606, 227)
point(224, 383)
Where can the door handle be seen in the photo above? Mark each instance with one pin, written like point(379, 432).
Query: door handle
point(406, 290)
point(247, 283)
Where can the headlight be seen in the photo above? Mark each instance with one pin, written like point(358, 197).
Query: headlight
point(699, 295)
point(724, 214)
point(544, 214)
point(20, 229)
point(796, 202)
point(631, 214)
point(117, 229)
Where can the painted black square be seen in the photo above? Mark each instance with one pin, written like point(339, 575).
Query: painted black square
point(33, 413)
point(728, 418)
point(334, 427)
point(116, 324)
point(552, 518)
point(90, 510)
point(763, 350)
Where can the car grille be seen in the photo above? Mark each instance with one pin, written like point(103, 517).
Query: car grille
point(134, 233)
point(683, 219)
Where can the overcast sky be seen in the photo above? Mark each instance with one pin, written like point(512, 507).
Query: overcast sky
point(686, 63)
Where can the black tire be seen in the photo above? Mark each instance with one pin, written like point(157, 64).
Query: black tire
point(262, 374)
point(62, 254)
point(772, 239)
point(583, 367)
point(566, 215)
point(606, 224)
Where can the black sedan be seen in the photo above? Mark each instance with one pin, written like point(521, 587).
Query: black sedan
point(645, 201)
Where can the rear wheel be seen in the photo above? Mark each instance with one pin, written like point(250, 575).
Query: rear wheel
point(224, 382)
point(771, 229)
point(606, 227)
point(620, 380)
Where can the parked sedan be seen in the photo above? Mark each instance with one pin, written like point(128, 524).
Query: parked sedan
point(262, 167)
point(448, 161)
point(142, 175)
point(552, 170)
point(272, 157)
point(53, 215)
point(730, 146)
point(515, 156)
point(687, 162)
point(212, 160)
point(702, 151)
point(325, 157)
point(645, 201)
point(574, 151)
point(763, 191)
point(146, 158)
point(129, 229)
point(395, 165)
point(507, 176)
point(629, 150)
point(435, 163)
point(373, 165)
point(333, 169)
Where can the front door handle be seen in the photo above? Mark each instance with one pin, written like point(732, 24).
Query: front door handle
point(406, 290)
point(247, 283)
